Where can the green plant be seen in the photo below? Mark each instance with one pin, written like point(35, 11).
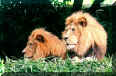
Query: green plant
point(1, 67)
point(58, 65)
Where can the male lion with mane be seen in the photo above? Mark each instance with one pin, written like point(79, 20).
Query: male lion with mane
point(42, 44)
point(83, 32)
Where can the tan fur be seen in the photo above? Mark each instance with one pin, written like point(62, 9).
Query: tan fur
point(87, 33)
point(42, 44)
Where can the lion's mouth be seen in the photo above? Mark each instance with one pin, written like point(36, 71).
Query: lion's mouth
point(29, 57)
point(70, 46)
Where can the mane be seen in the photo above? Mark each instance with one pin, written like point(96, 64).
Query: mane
point(43, 32)
point(76, 15)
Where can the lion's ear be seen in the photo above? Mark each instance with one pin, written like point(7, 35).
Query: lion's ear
point(82, 21)
point(40, 38)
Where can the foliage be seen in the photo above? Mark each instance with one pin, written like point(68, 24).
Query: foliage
point(1, 67)
point(57, 3)
point(57, 65)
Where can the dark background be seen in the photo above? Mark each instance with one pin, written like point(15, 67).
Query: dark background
point(17, 20)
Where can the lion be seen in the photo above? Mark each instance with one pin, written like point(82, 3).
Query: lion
point(42, 44)
point(83, 32)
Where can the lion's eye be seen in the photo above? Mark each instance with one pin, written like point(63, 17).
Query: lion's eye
point(81, 23)
point(73, 29)
point(30, 44)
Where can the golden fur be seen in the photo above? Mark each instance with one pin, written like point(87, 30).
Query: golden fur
point(82, 32)
point(42, 44)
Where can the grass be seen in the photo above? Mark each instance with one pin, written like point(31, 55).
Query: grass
point(55, 65)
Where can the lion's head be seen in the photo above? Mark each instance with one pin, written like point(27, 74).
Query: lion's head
point(36, 45)
point(73, 30)
point(42, 44)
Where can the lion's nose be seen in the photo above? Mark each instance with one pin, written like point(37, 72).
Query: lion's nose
point(65, 38)
point(23, 51)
